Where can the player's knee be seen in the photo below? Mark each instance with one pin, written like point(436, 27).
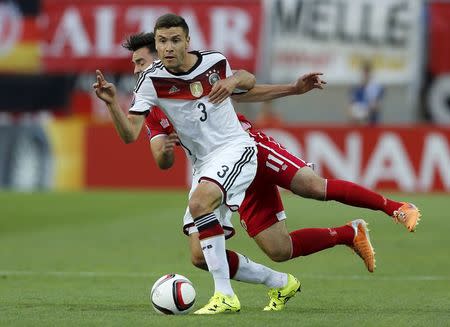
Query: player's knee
point(309, 185)
point(197, 208)
point(317, 188)
point(205, 199)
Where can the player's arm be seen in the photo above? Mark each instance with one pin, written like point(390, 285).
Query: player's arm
point(222, 89)
point(245, 80)
point(128, 126)
point(162, 147)
point(267, 92)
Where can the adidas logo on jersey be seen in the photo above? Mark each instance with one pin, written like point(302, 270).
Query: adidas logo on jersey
point(174, 89)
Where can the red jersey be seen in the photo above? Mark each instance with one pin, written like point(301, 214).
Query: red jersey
point(157, 123)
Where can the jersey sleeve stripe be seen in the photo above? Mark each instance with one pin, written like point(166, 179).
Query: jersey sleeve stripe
point(157, 135)
point(140, 81)
point(208, 52)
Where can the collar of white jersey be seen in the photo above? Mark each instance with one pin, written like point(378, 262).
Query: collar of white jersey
point(199, 61)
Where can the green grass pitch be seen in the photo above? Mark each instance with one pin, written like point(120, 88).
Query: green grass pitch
point(89, 259)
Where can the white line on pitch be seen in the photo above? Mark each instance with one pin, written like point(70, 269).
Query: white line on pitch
point(93, 274)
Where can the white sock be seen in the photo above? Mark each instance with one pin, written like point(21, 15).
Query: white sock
point(215, 256)
point(255, 273)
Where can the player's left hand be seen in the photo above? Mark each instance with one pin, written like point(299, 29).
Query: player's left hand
point(222, 89)
point(309, 82)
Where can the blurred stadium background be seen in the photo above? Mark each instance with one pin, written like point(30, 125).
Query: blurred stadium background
point(55, 135)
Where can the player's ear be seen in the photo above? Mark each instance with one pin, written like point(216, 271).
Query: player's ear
point(188, 40)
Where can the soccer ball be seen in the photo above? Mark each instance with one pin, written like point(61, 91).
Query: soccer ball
point(172, 294)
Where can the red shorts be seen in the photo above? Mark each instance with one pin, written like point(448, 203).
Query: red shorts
point(262, 206)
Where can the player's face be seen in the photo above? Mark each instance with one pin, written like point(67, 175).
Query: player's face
point(172, 44)
point(142, 58)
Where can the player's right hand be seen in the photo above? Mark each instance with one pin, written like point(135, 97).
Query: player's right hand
point(104, 90)
point(222, 89)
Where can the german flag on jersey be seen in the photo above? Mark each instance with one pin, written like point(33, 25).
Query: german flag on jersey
point(19, 36)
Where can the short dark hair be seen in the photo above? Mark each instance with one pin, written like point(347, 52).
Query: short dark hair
point(140, 40)
point(171, 20)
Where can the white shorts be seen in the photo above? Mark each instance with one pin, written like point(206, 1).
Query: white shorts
point(233, 170)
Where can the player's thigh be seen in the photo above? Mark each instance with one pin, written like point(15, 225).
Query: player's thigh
point(277, 164)
point(262, 206)
point(275, 241)
point(231, 171)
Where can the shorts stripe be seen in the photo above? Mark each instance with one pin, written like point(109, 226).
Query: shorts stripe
point(237, 168)
point(280, 155)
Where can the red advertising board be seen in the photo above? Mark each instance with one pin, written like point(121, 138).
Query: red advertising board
point(112, 163)
point(409, 159)
point(85, 35)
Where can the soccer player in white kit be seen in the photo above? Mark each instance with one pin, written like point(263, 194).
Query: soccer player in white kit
point(192, 89)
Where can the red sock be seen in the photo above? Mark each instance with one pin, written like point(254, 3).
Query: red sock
point(306, 241)
point(233, 262)
point(359, 196)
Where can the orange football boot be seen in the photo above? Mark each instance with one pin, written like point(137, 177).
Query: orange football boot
point(408, 215)
point(361, 243)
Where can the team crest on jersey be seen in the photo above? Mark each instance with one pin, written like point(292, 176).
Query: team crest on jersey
point(213, 76)
point(164, 123)
point(196, 89)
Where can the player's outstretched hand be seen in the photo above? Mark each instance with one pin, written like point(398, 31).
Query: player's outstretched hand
point(104, 90)
point(309, 82)
point(222, 89)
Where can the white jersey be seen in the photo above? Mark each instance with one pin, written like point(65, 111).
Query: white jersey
point(204, 129)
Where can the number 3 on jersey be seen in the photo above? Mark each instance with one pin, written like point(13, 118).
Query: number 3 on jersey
point(202, 108)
